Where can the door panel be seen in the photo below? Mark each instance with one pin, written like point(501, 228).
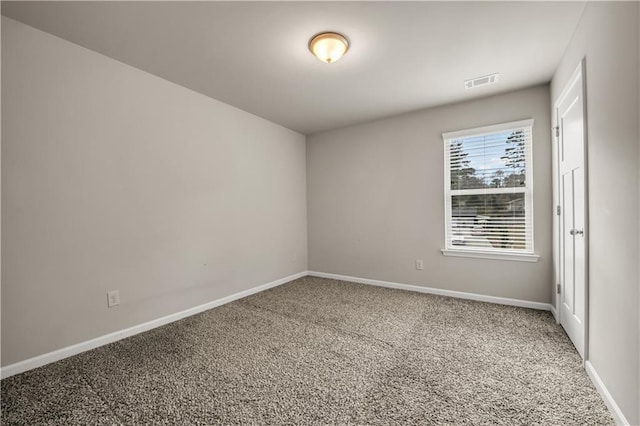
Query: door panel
point(568, 252)
point(579, 243)
point(572, 186)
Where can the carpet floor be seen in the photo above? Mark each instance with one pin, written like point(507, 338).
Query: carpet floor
point(319, 352)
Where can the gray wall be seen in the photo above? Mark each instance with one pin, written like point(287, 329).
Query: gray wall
point(115, 179)
point(375, 199)
point(607, 36)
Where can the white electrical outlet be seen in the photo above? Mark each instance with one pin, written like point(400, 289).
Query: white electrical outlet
point(419, 264)
point(113, 298)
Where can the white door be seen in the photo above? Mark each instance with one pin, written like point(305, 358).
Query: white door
point(572, 220)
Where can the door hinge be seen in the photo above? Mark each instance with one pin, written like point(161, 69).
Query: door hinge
point(557, 131)
point(558, 288)
point(558, 210)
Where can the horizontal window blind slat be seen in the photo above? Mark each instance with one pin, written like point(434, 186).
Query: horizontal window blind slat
point(488, 191)
point(494, 139)
point(476, 149)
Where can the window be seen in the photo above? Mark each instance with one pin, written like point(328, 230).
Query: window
point(489, 192)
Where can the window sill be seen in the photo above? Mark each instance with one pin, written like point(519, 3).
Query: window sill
point(478, 254)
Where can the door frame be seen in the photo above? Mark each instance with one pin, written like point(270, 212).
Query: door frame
point(579, 73)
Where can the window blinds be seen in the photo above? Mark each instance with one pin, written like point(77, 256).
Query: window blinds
point(488, 188)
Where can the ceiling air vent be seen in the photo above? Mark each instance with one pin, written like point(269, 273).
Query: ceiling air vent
point(481, 81)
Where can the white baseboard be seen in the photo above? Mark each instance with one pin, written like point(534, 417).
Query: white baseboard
point(438, 291)
point(68, 351)
point(604, 393)
point(39, 361)
point(59, 354)
point(555, 313)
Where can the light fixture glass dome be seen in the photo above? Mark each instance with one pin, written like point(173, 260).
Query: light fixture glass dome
point(329, 47)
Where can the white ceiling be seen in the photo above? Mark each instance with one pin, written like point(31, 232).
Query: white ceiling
point(253, 55)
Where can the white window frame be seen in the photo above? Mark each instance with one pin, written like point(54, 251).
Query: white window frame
point(526, 255)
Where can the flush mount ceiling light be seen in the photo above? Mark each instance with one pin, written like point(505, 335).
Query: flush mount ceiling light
point(328, 47)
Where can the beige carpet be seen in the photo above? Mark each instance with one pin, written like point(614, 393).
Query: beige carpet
point(318, 351)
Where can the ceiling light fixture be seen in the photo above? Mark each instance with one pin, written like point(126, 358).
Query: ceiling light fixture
point(328, 47)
